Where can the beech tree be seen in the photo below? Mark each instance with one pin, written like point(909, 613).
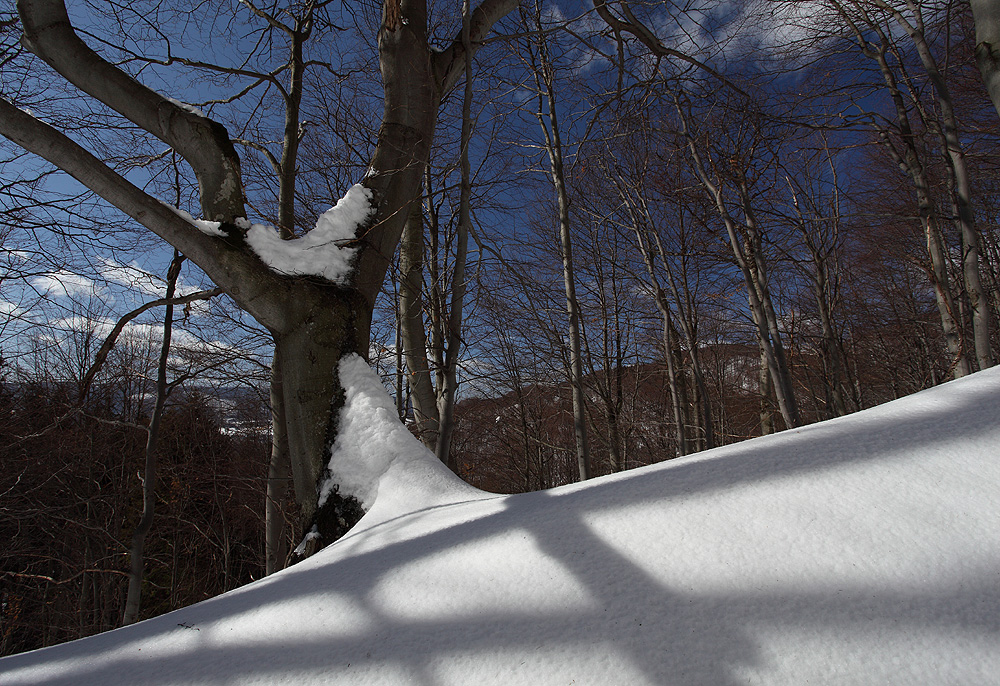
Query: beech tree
point(671, 294)
point(871, 27)
point(314, 320)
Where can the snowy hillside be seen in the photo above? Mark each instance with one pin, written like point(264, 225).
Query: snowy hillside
point(865, 550)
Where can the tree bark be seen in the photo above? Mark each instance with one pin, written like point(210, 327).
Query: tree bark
point(202, 142)
point(669, 331)
point(279, 477)
point(986, 14)
point(908, 161)
point(446, 411)
point(412, 332)
point(749, 262)
point(955, 155)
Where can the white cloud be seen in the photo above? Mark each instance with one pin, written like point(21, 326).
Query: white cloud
point(9, 309)
point(63, 283)
point(19, 255)
point(133, 277)
point(791, 29)
point(139, 332)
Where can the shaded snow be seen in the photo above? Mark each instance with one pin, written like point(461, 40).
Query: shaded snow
point(862, 550)
point(185, 106)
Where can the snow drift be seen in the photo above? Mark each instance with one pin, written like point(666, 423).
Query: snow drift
point(862, 550)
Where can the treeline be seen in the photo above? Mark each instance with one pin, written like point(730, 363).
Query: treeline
point(70, 498)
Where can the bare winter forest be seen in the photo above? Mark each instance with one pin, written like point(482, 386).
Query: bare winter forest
point(573, 238)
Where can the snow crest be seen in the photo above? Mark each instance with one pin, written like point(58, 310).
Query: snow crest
point(321, 252)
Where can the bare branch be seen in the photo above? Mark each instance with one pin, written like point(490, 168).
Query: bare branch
point(636, 28)
point(225, 263)
point(450, 64)
point(112, 338)
point(203, 142)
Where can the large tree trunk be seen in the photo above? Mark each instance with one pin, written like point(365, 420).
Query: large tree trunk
point(314, 323)
point(308, 355)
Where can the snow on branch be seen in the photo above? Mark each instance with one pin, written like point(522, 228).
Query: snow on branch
point(324, 250)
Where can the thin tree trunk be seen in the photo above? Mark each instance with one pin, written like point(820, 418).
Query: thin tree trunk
point(435, 294)
point(401, 387)
point(766, 414)
point(669, 337)
point(137, 565)
point(690, 336)
point(963, 192)
point(909, 163)
point(447, 406)
point(955, 156)
point(673, 376)
point(758, 272)
point(279, 477)
point(553, 146)
point(820, 254)
point(412, 332)
point(292, 134)
point(762, 312)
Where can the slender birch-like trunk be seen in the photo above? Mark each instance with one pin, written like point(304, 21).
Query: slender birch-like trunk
point(749, 263)
point(136, 559)
point(447, 407)
point(548, 120)
point(412, 331)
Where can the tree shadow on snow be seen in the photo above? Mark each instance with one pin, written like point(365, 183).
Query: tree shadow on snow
point(624, 621)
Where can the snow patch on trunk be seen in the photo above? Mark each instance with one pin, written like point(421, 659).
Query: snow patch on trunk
point(378, 461)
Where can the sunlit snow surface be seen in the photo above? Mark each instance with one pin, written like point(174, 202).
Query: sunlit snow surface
point(864, 550)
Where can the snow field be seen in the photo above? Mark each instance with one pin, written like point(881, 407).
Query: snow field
point(862, 550)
